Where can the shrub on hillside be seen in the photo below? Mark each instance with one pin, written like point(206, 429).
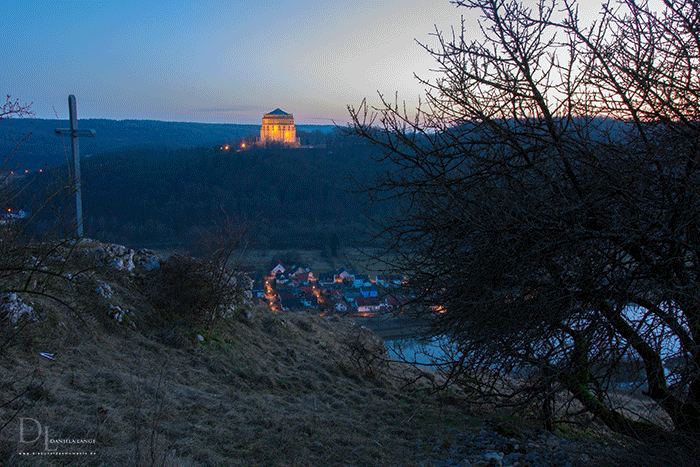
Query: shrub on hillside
point(194, 291)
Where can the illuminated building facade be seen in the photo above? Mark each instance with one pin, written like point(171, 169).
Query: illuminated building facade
point(278, 127)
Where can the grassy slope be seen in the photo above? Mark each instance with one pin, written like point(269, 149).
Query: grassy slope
point(272, 389)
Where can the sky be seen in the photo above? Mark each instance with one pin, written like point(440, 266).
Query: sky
point(218, 61)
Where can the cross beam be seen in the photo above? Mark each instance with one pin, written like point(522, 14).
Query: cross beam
point(74, 134)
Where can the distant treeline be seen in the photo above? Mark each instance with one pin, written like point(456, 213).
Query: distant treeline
point(45, 149)
point(291, 198)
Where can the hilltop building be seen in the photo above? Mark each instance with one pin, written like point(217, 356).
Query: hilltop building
point(278, 127)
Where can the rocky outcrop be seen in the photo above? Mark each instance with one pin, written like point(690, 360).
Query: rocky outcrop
point(116, 257)
point(147, 259)
point(181, 285)
point(13, 308)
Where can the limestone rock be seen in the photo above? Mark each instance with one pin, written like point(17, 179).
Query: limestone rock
point(115, 263)
point(120, 315)
point(117, 257)
point(147, 259)
point(104, 289)
point(12, 307)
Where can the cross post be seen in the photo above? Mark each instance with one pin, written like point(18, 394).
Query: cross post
point(75, 150)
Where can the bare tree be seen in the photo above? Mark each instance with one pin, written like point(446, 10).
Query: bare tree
point(550, 216)
point(14, 109)
point(19, 269)
point(24, 256)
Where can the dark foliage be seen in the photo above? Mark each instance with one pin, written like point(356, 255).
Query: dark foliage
point(550, 204)
point(193, 292)
point(294, 198)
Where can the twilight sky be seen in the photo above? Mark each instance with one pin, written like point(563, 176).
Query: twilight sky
point(217, 61)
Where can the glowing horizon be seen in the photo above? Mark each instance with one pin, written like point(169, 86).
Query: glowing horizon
point(222, 62)
point(216, 62)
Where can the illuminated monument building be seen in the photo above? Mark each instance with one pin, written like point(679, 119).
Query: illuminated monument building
point(278, 127)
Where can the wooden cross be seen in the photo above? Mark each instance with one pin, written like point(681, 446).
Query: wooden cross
point(75, 149)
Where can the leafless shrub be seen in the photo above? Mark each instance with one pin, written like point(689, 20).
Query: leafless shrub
point(364, 350)
point(31, 267)
point(200, 290)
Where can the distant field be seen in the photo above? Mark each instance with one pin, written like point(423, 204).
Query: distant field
point(369, 261)
point(261, 259)
point(362, 262)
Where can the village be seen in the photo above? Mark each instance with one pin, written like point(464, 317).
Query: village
point(342, 291)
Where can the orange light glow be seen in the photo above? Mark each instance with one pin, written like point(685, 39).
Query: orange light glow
point(270, 294)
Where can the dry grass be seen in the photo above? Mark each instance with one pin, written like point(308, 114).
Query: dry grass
point(271, 390)
point(260, 388)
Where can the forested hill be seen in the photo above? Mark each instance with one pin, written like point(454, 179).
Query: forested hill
point(292, 198)
point(44, 148)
